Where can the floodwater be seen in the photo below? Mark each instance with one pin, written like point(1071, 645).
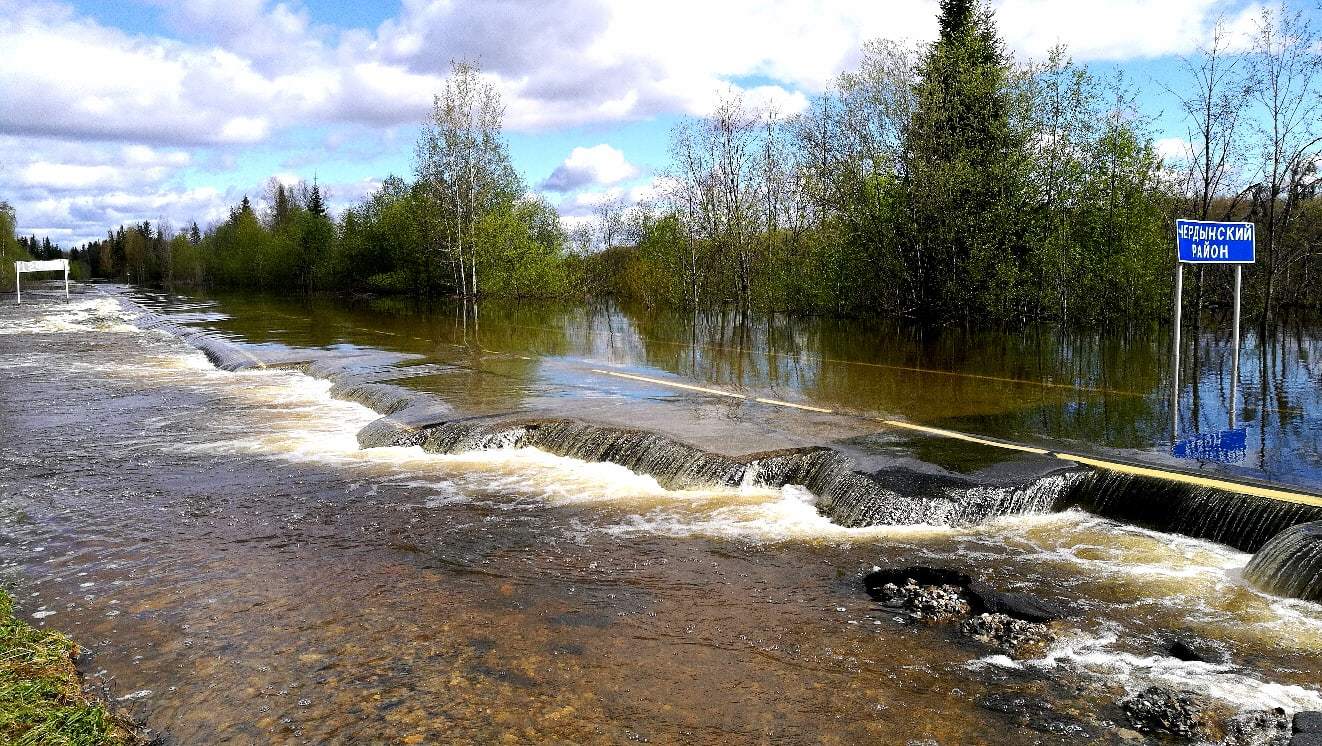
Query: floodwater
point(244, 573)
point(1088, 391)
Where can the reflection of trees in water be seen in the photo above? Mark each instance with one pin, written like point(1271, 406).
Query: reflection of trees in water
point(1105, 387)
point(1010, 382)
point(1280, 392)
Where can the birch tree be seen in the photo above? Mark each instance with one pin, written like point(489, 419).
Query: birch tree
point(463, 160)
point(1285, 67)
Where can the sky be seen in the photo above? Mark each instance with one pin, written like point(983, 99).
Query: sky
point(172, 110)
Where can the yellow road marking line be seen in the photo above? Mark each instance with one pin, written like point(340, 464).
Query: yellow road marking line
point(1143, 471)
point(661, 382)
point(823, 358)
point(1218, 484)
point(718, 392)
point(253, 358)
point(1173, 476)
point(964, 437)
point(795, 406)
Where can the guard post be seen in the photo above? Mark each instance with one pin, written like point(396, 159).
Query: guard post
point(1209, 242)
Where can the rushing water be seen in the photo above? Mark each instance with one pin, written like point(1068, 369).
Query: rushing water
point(244, 572)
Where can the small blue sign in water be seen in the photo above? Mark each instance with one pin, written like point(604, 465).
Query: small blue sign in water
point(1206, 242)
point(1226, 447)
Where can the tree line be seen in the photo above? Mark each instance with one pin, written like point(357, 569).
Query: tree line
point(464, 225)
point(944, 182)
point(949, 183)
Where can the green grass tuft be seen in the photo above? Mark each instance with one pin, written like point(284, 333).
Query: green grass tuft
point(41, 699)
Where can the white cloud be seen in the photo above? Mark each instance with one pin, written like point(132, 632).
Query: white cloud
point(244, 70)
point(597, 165)
point(236, 73)
point(76, 219)
point(1172, 148)
point(68, 176)
point(582, 206)
point(774, 98)
point(1107, 29)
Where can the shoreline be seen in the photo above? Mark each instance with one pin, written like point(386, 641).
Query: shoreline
point(42, 694)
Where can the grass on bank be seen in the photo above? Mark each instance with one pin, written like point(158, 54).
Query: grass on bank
point(41, 698)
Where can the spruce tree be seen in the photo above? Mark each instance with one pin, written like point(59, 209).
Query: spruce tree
point(961, 158)
point(315, 204)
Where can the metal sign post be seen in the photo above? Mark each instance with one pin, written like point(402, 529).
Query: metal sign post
point(1234, 360)
point(1207, 242)
point(1175, 353)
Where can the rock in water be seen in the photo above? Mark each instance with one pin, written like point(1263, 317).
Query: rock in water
point(1198, 651)
point(1018, 605)
point(1162, 711)
point(920, 574)
point(937, 603)
point(1307, 729)
point(1019, 638)
point(1290, 564)
point(1308, 722)
point(1257, 728)
point(1039, 714)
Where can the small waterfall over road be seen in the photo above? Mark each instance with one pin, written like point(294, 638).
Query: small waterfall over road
point(1291, 563)
point(847, 496)
point(1245, 522)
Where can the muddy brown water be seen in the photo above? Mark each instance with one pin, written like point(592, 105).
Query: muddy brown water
point(243, 573)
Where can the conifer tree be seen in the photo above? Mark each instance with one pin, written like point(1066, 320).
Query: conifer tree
point(960, 157)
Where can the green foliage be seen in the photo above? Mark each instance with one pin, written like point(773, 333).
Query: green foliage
point(520, 249)
point(383, 245)
point(941, 183)
point(41, 700)
point(10, 250)
point(462, 221)
point(962, 182)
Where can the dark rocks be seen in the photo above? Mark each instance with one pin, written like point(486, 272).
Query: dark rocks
point(1306, 739)
point(928, 602)
point(1256, 728)
point(1165, 712)
point(1013, 622)
point(920, 574)
point(1308, 722)
point(1018, 637)
point(1018, 605)
point(1196, 651)
point(1036, 713)
point(1307, 729)
point(981, 597)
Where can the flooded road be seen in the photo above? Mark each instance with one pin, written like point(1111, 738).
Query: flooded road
point(1093, 391)
point(245, 573)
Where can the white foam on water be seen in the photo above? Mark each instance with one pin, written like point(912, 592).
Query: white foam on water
point(1195, 578)
point(787, 514)
point(308, 425)
point(98, 314)
point(1093, 656)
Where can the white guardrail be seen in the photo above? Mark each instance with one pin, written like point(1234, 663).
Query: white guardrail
point(51, 265)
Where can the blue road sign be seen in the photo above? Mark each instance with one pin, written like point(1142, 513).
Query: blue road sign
point(1226, 447)
point(1206, 242)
